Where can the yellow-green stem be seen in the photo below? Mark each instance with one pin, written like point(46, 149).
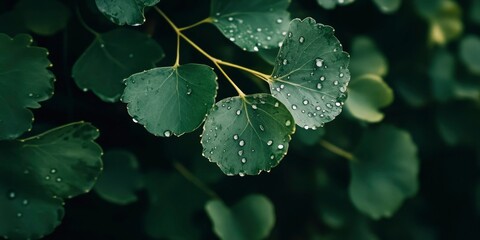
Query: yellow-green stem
point(194, 180)
point(334, 149)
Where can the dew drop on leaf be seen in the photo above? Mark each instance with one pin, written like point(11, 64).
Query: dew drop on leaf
point(167, 133)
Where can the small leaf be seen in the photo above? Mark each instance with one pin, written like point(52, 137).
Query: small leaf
point(173, 203)
point(120, 178)
point(112, 57)
point(25, 82)
point(311, 75)
point(458, 121)
point(470, 53)
point(123, 12)
point(331, 4)
point(366, 58)
point(247, 135)
point(171, 100)
point(446, 24)
point(366, 95)
point(37, 173)
point(388, 6)
point(250, 219)
point(252, 24)
point(45, 17)
point(384, 172)
point(442, 75)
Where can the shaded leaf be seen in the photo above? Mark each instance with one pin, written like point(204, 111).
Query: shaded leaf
point(442, 75)
point(252, 24)
point(173, 202)
point(384, 172)
point(388, 6)
point(171, 100)
point(458, 122)
point(247, 135)
point(331, 4)
point(309, 137)
point(475, 11)
point(110, 58)
point(427, 8)
point(251, 218)
point(446, 24)
point(45, 17)
point(11, 23)
point(310, 75)
point(366, 58)
point(120, 178)
point(37, 173)
point(24, 80)
point(123, 12)
point(366, 95)
point(470, 53)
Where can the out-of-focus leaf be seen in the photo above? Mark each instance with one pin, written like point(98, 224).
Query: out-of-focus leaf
point(427, 8)
point(384, 171)
point(45, 17)
point(475, 11)
point(252, 24)
point(38, 173)
point(446, 24)
point(24, 80)
point(247, 135)
point(442, 75)
point(252, 218)
point(171, 100)
point(366, 58)
point(310, 74)
point(458, 122)
point(112, 57)
point(120, 178)
point(309, 137)
point(11, 23)
point(470, 53)
point(388, 6)
point(123, 12)
point(331, 4)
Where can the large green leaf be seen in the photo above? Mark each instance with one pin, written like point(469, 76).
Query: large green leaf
point(45, 17)
point(171, 100)
point(112, 57)
point(247, 135)
point(311, 75)
point(388, 6)
point(384, 171)
point(125, 11)
point(24, 82)
point(331, 4)
point(120, 178)
point(37, 173)
point(251, 218)
point(252, 24)
point(470, 53)
point(173, 204)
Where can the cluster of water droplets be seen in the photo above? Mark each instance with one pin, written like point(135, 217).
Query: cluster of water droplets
point(12, 196)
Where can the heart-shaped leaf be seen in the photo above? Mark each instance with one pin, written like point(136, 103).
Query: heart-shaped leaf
point(331, 4)
point(311, 75)
point(252, 218)
point(24, 80)
point(247, 135)
point(384, 171)
point(45, 17)
point(120, 178)
point(123, 12)
point(252, 24)
point(171, 100)
point(470, 53)
point(111, 58)
point(37, 173)
point(388, 6)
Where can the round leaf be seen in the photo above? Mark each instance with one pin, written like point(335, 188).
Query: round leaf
point(45, 17)
point(247, 135)
point(310, 76)
point(470, 53)
point(252, 24)
point(331, 4)
point(171, 100)
point(388, 6)
point(384, 171)
point(366, 58)
point(24, 80)
point(123, 12)
point(37, 173)
point(120, 178)
point(366, 95)
point(112, 57)
point(250, 219)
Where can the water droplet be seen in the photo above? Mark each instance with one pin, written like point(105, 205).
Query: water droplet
point(238, 112)
point(58, 179)
point(322, 78)
point(269, 38)
point(338, 104)
point(244, 160)
point(280, 146)
point(288, 123)
point(272, 156)
point(259, 29)
point(255, 49)
point(47, 177)
point(301, 39)
point(277, 104)
point(167, 133)
point(318, 108)
point(230, 19)
point(11, 195)
point(130, 55)
point(306, 127)
point(25, 202)
point(134, 120)
point(341, 75)
point(319, 62)
point(285, 62)
point(241, 143)
point(335, 83)
point(240, 153)
point(319, 86)
point(329, 105)
point(30, 94)
point(290, 34)
point(279, 20)
point(261, 127)
point(235, 137)
point(189, 91)
point(269, 142)
point(254, 106)
point(102, 45)
point(305, 102)
point(232, 39)
point(19, 214)
point(85, 89)
point(294, 107)
point(241, 174)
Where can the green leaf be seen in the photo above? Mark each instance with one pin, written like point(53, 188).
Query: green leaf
point(253, 24)
point(366, 95)
point(384, 171)
point(113, 56)
point(427, 8)
point(458, 121)
point(120, 178)
point(475, 11)
point(24, 80)
point(309, 137)
point(331, 4)
point(45, 17)
point(123, 12)
point(442, 75)
point(311, 75)
point(171, 100)
point(173, 203)
point(247, 135)
point(11, 23)
point(366, 58)
point(251, 218)
point(388, 6)
point(269, 55)
point(446, 24)
point(37, 173)
point(470, 53)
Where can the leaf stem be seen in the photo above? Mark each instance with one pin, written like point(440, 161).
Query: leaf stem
point(239, 91)
point(206, 20)
point(83, 23)
point(194, 180)
point(177, 59)
point(334, 149)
